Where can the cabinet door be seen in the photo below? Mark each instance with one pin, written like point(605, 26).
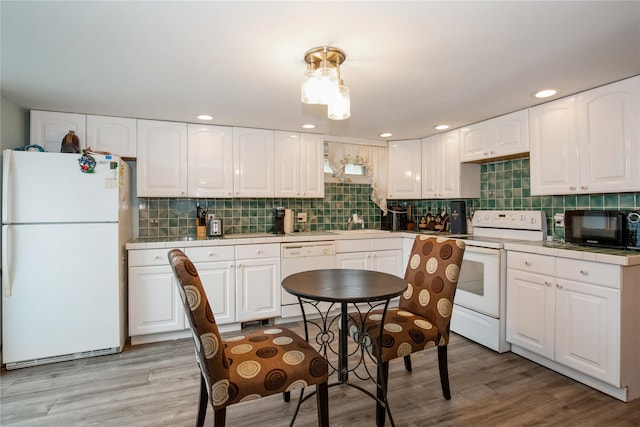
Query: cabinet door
point(511, 134)
point(609, 137)
point(154, 303)
point(553, 150)
point(588, 330)
point(450, 165)
point(287, 164)
point(388, 262)
point(162, 159)
point(475, 141)
point(430, 167)
point(530, 312)
point(116, 135)
point(210, 161)
point(47, 128)
point(354, 260)
point(253, 155)
point(312, 165)
point(405, 168)
point(218, 280)
point(258, 289)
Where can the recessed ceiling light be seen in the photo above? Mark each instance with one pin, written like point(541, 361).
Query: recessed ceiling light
point(205, 117)
point(441, 127)
point(309, 126)
point(545, 93)
point(386, 134)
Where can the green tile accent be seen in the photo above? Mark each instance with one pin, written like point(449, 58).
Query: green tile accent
point(503, 185)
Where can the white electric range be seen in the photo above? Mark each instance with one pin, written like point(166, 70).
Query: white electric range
point(480, 302)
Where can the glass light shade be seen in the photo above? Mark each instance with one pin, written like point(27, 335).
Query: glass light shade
point(309, 93)
point(327, 81)
point(340, 106)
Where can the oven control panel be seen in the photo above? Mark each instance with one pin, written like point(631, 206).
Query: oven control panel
point(519, 220)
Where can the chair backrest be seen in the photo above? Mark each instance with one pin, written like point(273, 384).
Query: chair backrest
point(209, 346)
point(432, 274)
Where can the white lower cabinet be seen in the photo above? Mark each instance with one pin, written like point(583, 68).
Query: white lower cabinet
point(383, 255)
point(257, 282)
point(154, 303)
point(569, 312)
point(216, 268)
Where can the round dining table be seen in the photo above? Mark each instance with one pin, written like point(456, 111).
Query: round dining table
point(345, 287)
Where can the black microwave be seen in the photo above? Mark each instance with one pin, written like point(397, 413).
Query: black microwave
point(611, 229)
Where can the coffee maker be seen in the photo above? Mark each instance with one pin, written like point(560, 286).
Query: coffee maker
point(458, 217)
point(278, 220)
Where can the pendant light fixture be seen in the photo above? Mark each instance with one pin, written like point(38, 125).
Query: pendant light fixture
point(322, 83)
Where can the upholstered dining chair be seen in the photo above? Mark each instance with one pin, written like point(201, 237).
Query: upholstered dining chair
point(247, 367)
point(422, 318)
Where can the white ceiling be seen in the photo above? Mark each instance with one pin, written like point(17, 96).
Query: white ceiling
point(410, 65)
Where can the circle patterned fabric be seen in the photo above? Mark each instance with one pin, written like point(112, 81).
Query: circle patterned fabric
point(424, 312)
point(260, 363)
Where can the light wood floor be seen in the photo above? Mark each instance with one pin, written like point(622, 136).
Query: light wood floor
point(157, 385)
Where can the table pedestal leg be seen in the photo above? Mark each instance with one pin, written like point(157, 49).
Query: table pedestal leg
point(343, 356)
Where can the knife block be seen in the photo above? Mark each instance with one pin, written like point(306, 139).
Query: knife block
point(201, 230)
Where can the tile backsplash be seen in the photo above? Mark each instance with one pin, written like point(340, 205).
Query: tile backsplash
point(503, 185)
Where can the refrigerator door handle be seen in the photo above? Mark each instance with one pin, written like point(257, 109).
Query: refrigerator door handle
point(6, 277)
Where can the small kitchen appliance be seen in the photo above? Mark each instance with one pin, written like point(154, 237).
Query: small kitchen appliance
point(214, 227)
point(458, 217)
point(278, 220)
point(394, 220)
point(610, 229)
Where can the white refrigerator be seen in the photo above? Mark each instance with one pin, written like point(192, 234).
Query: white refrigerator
point(63, 257)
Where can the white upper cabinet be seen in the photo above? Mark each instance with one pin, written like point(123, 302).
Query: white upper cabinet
point(48, 128)
point(115, 135)
point(162, 159)
point(299, 165)
point(609, 137)
point(499, 137)
point(210, 161)
point(405, 168)
point(253, 162)
point(443, 176)
point(588, 143)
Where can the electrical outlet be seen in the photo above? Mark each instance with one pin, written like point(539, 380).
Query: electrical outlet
point(302, 217)
point(210, 217)
point(558, 220)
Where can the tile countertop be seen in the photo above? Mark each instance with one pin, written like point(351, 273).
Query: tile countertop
point(254, 238)
point(586, 253)
point(563, 250)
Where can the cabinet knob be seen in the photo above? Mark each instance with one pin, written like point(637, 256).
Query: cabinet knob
point(572, 188)
point(558, 285)
point(259, 251)
point(584, 272)
point(210, 254)
point(548, 283)
point(584, 187)
point(493, 152)
point(158, 257)
point(527, 263)
point(485, 153)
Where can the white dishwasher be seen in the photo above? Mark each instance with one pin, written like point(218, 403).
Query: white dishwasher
point(304, 256)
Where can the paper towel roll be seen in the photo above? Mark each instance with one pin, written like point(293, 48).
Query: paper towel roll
point(288, 221)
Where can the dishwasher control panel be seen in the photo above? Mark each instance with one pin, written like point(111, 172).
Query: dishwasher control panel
point(308, 249)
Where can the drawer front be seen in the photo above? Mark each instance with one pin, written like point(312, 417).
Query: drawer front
point(270, 250)
point(148, 257)
point(359, 245)
point(210, 253)
point(534, 263)
point(386, 244)
point(589, 272)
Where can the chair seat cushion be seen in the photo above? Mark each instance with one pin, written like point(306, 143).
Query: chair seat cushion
point(404, 332)
point(268, 361)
